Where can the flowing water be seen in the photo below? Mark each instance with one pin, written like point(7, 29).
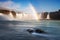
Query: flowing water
point(48, 17)
point(16, 30)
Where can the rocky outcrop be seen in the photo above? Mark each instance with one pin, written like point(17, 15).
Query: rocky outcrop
point(44, 15)
point(55, 15)
point(14, 14)
point(36, 31)
point(6, 12)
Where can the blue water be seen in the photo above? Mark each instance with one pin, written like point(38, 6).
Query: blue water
point(16, 30)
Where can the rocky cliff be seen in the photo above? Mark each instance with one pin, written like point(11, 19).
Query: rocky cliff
point(7, 12)
point(53, 15)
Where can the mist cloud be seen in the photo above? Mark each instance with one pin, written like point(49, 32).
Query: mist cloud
point(10, 5)
point(16, 6)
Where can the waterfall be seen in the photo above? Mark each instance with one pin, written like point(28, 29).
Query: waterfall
point(11, 16)
point(48, 17)
point(31, 14)
point(4, 17)
point(40, 16)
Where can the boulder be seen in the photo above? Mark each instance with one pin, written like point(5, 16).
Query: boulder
point(30, 30)
point(39, 31)
point(36, 31)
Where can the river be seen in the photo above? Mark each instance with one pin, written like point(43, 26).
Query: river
point(16, 30)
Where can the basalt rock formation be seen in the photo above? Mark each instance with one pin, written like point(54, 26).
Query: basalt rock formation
point(7, 12)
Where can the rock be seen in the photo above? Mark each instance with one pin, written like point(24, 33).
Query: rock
point(39, 31)
point(30, 30)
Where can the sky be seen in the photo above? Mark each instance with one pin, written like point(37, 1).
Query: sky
point(39, 5)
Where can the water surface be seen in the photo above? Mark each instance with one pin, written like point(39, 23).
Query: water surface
point(16, 30)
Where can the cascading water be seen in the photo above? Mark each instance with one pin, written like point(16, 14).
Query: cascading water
point(31, 14)
point(40, 16)
point(11, 16)
point(48, 17)
point(4, 17)
point(22, 16)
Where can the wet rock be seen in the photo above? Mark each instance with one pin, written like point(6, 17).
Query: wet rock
point(37, 31)
point(30, 30)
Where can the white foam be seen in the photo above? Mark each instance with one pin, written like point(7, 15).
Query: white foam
point(41, 34)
